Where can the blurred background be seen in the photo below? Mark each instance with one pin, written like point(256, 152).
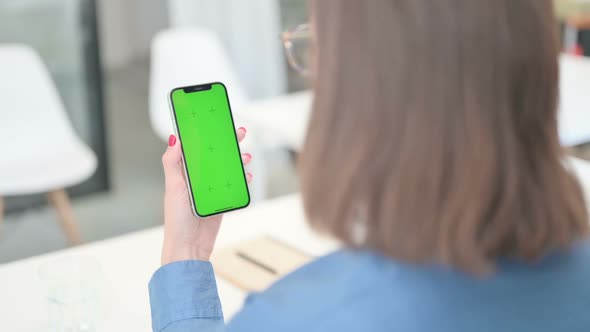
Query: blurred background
point(98, 54)
point(110, 64)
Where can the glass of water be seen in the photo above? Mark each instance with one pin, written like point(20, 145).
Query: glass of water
point(71, 288)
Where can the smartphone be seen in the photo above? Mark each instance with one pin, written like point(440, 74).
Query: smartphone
point(211, 154)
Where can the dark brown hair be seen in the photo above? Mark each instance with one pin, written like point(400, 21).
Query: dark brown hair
point(433, 136)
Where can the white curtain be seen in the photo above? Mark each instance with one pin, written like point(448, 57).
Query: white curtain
point(249, 31)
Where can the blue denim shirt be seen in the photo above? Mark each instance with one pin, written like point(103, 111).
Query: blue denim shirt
point(363, 291)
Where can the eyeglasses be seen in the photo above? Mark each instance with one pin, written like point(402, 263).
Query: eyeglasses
point(297, 43)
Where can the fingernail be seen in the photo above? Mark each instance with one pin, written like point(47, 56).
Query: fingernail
point(248, 156)
point(242, 128)
point(172, 140)
point(249, 176)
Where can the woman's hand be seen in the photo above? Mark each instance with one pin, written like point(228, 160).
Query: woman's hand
point(187, 237)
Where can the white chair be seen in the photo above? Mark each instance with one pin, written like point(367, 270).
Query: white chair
point(188, 56)
point(40, 151)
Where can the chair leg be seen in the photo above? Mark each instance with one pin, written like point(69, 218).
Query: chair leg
point(60, 201)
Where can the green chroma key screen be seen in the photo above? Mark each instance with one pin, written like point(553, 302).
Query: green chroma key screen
point(211, 154)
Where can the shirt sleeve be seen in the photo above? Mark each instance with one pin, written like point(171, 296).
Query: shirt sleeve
point(183, 297)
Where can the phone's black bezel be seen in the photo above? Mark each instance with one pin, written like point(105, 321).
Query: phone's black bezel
point(195, 89)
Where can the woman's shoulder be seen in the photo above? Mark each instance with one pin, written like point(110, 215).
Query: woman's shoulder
point(327, 287)
point(335, 272)
point(351, 287)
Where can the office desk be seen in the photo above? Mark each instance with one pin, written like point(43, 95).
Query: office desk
point(128, 262)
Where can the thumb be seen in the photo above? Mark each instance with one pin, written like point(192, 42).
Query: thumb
point(172, 162)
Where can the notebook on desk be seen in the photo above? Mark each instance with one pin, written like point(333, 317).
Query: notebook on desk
point(255, 264)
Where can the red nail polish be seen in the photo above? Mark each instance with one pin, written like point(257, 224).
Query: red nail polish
point(172, 140)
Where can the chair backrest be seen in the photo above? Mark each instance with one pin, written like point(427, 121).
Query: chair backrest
point(32, 115)
point(188, 56)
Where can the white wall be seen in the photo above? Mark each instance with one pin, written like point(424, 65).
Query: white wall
point(126, 28)
point(249, 30)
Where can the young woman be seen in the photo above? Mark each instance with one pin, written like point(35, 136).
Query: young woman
point(433, 155)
